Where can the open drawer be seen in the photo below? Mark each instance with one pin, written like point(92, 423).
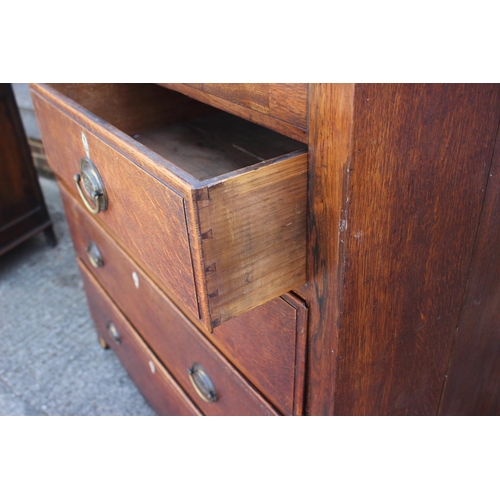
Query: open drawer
point(212, 206)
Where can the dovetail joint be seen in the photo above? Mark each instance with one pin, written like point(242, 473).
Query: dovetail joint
point(211, 268)
point(203, 195)
point(215, 322)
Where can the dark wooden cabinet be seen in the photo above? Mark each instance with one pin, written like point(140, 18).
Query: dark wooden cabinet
point(22, 208)
point(333, 250)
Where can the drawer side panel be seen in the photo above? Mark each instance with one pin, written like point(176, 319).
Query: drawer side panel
point(253, 231)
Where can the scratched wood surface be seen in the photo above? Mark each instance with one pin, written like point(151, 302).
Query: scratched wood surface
point(148, 160)
point(420, 161)
point(330, 122)
point(473, 381)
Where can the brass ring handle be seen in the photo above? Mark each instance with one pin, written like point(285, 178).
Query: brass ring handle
point(94, 254)
point(202, 383)
point(92, 185)
point(96, 195)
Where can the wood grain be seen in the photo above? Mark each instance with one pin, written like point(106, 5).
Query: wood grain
point(420, 163)
point(288, 102)
point(179, 345)
point(274, 106)
point(22, 208)
point(249, 95)
point(473, 379)
point(300, 353)
point(284, 101)
point(158, 387)
point(253, 235)
point(268, 345)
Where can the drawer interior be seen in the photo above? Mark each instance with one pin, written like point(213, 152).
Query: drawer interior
point(201, 140)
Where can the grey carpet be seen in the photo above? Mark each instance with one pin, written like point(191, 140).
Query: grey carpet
point(50, 360)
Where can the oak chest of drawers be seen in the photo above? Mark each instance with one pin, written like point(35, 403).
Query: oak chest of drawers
point(262, 249)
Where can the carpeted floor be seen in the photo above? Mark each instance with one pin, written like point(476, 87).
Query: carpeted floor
point(50, 360)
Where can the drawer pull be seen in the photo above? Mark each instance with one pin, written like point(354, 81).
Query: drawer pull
point(94, 255)
point(202, 383)
point(114, 332)
point(93, 186)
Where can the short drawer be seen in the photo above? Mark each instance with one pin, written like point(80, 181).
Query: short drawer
point(212, 206)
point(267, 344)
point(156, 385)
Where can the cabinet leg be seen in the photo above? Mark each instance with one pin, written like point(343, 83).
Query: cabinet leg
point(102, 343)
point(50, 236)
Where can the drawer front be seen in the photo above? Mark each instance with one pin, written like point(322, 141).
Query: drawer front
point(156, 385)
point(267, 344)
point(145, 215)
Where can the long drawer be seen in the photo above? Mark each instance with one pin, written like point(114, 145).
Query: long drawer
point(155, 383)
point(266, 344)
point(215, 386)
point(212, 206)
